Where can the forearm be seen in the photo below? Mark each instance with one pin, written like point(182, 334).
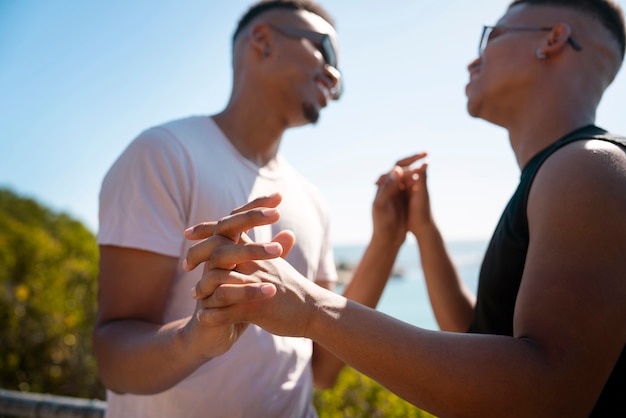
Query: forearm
point(143, 358)
point(444, 373)
point(365, 287)
point(371, 274)
point(451, 300)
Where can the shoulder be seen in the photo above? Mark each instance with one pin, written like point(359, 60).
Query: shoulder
point(180, 129)
point(173, 138)
point(580, 191)
point(593, 162)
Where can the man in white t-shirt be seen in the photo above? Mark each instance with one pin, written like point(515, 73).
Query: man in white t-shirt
point(154, 356)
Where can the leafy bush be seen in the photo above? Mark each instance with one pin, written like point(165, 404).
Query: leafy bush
point(47, 300)
point(356, 395)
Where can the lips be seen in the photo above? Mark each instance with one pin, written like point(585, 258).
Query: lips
point(473, 73)
point(325, 90)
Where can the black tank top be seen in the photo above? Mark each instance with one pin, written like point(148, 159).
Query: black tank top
point(503, 266)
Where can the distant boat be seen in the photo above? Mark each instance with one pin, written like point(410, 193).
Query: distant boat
point(397, 273)
point(345, 271)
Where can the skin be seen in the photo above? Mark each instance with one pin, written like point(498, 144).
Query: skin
point(136, 350)
point(569, 317)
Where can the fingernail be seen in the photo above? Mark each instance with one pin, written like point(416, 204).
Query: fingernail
point(273, 248)
point(194, 293)
point(189, 230)
point(269, 212)
point(267, 289)
point(185, 265)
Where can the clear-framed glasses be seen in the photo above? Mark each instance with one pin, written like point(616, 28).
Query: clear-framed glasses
point(323, 43)
point(490, 32)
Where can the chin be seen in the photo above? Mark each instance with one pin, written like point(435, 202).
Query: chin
point(472, 108)
point(310, 113)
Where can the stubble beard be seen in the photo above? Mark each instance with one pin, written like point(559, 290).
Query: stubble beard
point(310, 113)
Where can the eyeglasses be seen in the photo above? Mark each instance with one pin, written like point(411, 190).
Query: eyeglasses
point(489, 32)
point(324, 45)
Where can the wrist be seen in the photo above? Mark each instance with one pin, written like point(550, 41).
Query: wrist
point(188, 344)
point(326, 310)
point(386, 243)
point(426, 232)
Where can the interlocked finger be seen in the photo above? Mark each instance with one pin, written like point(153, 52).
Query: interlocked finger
point(270, 201)
point(227, 231)
point(235, 294)
point(405, 163)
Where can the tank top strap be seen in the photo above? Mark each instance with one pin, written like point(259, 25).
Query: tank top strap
point(586, 132)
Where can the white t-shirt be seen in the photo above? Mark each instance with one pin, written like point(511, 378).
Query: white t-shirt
point(185, 172)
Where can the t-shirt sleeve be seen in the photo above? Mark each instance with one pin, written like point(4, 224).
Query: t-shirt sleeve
point(144, 196)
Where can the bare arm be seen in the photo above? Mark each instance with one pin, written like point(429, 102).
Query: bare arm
point(136, 350)
point(572, 292)
point(452, 302)
point(389, 213)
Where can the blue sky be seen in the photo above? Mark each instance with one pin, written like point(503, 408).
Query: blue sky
point(79, 80)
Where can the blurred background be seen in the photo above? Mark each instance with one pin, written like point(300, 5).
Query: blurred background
point(79, 80)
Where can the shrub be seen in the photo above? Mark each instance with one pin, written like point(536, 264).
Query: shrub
point(356, 395)
point(47, 300)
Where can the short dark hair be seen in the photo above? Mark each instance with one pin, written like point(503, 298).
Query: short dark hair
point(266, 5)
point(607, 12)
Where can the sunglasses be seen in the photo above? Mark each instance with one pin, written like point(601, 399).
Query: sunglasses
point(322, 42)
point(490, 32)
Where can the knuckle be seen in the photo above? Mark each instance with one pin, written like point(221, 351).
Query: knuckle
point(220, 295)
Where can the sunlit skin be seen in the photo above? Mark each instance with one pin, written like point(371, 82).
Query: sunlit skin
point(559, 357)
point(284, 76)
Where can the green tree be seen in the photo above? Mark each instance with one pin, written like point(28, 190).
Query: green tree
point(48, 269)
point(357, 396)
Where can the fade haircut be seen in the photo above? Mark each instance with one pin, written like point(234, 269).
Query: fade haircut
point(607, 12)
point(267, 5)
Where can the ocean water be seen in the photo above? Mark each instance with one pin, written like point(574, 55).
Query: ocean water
point(405, 296)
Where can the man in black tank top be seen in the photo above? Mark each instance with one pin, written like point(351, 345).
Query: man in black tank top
point(545, 334)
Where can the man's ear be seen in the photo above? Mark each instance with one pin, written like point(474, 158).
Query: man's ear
point(556, 40)
point(260, 39)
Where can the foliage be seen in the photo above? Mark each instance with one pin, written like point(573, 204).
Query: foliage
point(48, 268)
point(355, 395)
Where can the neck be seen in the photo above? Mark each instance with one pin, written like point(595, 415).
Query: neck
point(529, 141)
point(546, 116)
point(254, 133)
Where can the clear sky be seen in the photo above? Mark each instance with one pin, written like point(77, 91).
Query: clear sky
point(79, 80)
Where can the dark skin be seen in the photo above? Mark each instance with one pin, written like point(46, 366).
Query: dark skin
point(370, 276)
point(573, 365)
point(574, 271)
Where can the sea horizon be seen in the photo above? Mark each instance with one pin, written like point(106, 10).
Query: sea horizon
point(405, 296)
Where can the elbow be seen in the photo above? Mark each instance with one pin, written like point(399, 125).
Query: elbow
point(100, 353)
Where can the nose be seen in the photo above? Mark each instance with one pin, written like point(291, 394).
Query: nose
point(472, 65)
point(336, 81)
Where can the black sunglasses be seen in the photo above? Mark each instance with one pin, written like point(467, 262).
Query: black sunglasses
point(322, 42)
point(487, 35)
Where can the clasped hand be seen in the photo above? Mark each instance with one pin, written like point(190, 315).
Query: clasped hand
point(240, 276)
point(246, 282)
